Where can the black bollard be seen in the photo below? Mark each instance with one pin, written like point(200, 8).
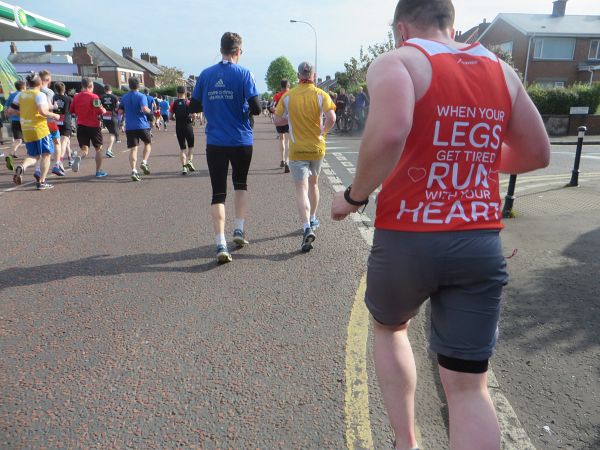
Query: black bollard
point(575, 174)
point(509, 200)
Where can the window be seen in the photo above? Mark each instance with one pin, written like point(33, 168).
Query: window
point(123, 77)
point(554, 48)
point(594, 49)
point(507, 47)
point(549, 83)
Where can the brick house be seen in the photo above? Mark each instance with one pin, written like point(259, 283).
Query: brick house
point(553, 50)
point(147, 63)
point(110, 66)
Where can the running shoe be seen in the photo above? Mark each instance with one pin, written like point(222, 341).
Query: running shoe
point(109, 154)
point(135, 176)
point(184, 170)
point(43, 186)
point(9, 163)
point(101, 174)
point(223, 255)
point(76, 164)
point(71, 161)
point(191, 166)
point(314, 224)
point(307, 239)
point(286, 168)
point(18, 176)
point(282, 164)
point(56, 171)
point(37, 175)
point(239, 239)
point(145, 168)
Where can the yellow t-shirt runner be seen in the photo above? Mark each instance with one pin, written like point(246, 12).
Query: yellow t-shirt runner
point(304, 106)
point(33, 124)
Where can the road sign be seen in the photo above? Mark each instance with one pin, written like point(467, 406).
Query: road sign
point(579, 110)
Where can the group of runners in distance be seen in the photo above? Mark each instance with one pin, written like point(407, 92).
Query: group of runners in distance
point(415, 145)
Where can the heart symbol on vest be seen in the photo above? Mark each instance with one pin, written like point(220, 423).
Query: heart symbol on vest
point(417, 174)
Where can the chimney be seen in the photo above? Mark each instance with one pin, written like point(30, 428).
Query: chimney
point(559, 9)
point(13, 48)
point(145, 57)
point(319, 80)
point(327, 77)
point(48, 48)
point(81, 57)
point(127, 52)
point(154, 60)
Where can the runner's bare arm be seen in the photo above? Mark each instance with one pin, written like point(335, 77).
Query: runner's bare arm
point(45, 112)
point(388, 125)
point(279, 121)
point(526, 145)
point(329, 120)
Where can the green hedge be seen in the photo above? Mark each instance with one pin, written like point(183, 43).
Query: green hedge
point(166, 90)
point(560, 100)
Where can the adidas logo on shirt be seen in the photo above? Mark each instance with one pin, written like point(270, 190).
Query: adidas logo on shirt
point(220, 84)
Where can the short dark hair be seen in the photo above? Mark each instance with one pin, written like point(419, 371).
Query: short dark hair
point(230, 43)
point(426, 13)
point(134, 83)
point(146, 91)
point(107, 88)
point(59, 87)
point(19, 85)
point(181, 89)
point(284, 83)
point(86, 83)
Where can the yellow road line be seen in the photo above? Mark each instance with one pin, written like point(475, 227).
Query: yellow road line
point(358, 424)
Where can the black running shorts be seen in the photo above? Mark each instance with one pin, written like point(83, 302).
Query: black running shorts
point(283, 129)
point(218, 159)
point(135, 136)
point(185, 134)
point(85, 135)
point(16, 129)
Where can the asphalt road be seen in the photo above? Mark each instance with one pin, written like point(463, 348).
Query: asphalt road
point(118, 330)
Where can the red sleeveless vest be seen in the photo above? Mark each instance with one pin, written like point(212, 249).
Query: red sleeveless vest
point(447, 177)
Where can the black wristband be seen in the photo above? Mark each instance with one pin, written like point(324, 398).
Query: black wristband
point(353, 202)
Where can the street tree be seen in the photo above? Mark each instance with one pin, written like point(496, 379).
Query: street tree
point(169, 76)
point(280, 69)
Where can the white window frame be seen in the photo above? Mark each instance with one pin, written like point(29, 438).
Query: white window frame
point(538, 50)
point(507, 47)
point(597, 55)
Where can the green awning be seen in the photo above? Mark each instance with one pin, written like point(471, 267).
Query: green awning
point(8, 76)
point(16, 24)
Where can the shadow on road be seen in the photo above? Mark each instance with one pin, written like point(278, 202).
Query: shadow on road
point(106, 265)
point(560, 306)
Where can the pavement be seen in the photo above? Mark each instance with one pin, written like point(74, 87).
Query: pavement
point(118, 330)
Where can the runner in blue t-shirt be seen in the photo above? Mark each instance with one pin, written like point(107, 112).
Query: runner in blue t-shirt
point(227, 94)
point(152, 107)
point(15, 124)
point(135, 106)
point(164, 111)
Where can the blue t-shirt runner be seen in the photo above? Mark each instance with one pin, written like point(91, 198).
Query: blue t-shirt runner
point(164, 108)
point(9, 101)
point(132, 103)
point(224, 90)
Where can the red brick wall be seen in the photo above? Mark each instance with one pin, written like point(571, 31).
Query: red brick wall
point(110, 77)
point(539, 70)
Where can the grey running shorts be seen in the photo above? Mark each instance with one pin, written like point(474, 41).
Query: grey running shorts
point(303, 169)
point(462, 272)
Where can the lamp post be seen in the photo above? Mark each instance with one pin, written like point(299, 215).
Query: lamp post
point(314, 31)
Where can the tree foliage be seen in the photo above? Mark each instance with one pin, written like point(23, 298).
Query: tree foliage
point(355, 73)
point(506, 57)
point(170, 76)
point(280, 69)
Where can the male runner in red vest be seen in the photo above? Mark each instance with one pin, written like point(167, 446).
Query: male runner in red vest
point(445, 118)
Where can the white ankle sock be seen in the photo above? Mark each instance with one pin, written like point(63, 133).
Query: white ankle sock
point(239, 224)
point(313, 218)
point(220, 240)
point(306, 225)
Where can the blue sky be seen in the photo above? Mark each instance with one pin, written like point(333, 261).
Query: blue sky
point(186, 33)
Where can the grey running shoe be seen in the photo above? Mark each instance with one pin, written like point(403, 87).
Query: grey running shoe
point(190, 166)
point(135, 176)
point(223, 255)
point(18, 176)
point(184, 170)
point(145, 168)
point(307, 239)
point(239, 239)
point(43, 186)
point(76, 164)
